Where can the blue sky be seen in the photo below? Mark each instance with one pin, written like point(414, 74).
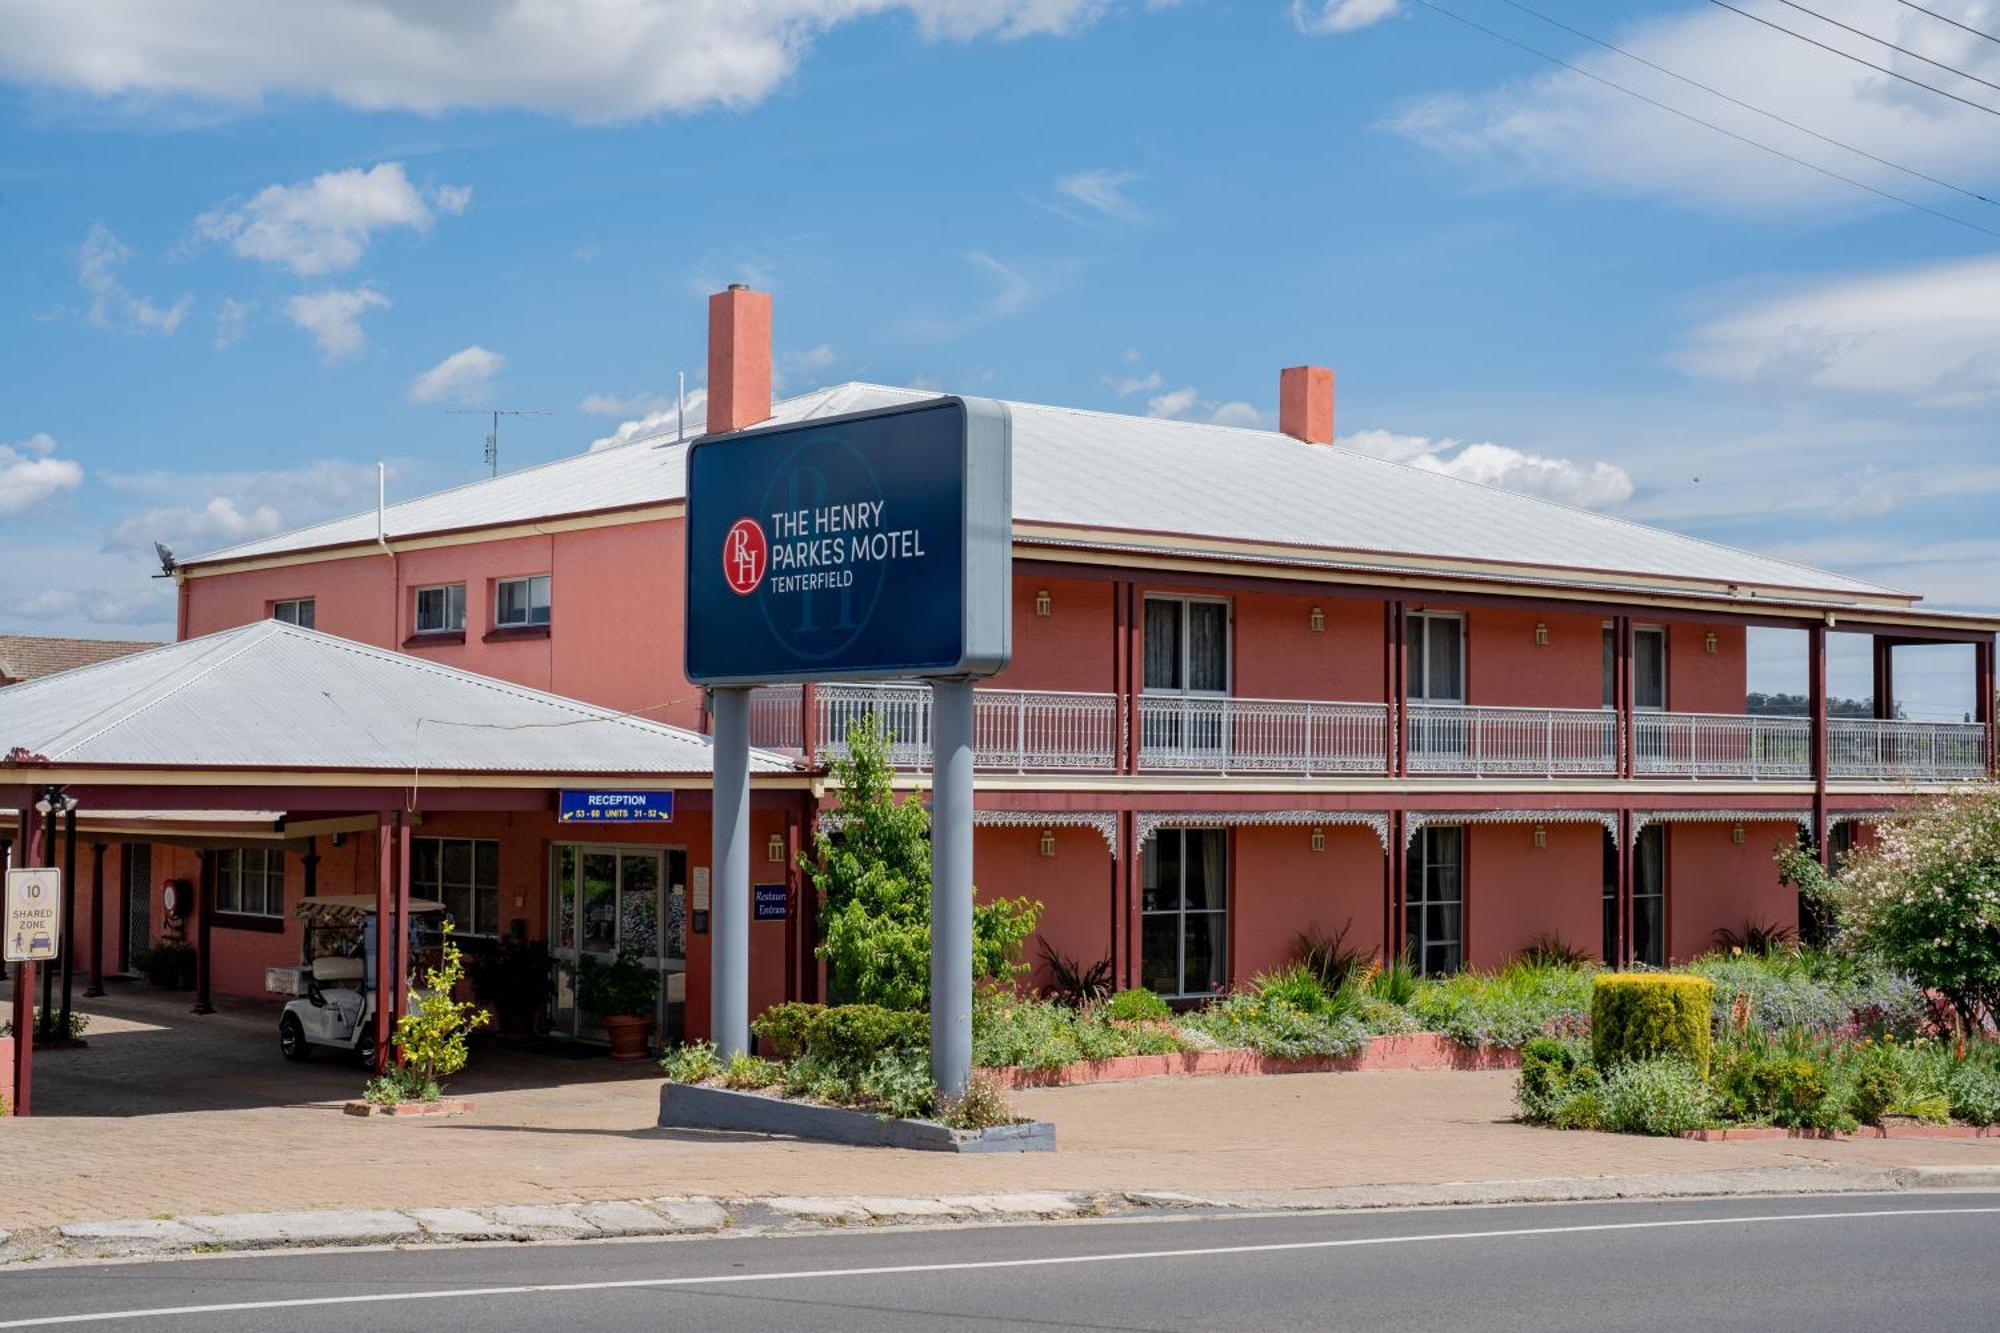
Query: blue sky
point(251, 253)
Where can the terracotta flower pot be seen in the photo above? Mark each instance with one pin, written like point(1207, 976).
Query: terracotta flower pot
point(628, 1033)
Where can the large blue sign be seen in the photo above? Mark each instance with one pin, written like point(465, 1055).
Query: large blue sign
point(615, 807)
point(873, 545)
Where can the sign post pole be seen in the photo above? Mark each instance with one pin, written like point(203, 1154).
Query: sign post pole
point(729, 930)
point(951, 885)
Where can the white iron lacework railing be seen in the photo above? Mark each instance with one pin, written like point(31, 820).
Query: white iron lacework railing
point(1013, 730)
point(1216, 734)
point(1460, 738)
point(1721, 745)
point(1860, 747)
point(774, 718)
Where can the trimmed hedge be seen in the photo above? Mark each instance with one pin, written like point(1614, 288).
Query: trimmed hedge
point(1645, 1015)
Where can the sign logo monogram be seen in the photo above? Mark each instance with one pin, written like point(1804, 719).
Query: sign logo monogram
point(745, 556)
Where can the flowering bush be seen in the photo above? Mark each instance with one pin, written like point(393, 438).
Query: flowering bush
point(1810, 991)
point(1926, 898)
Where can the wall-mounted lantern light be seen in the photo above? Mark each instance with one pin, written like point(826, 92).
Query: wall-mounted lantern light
point(1708, 644)
point(1736, 835)
point(1048, 842)
point(1541, 835)
point(1044, 604)
point(1319, 840)
point(1541, 635)
point(1318, 621)
point(774, 850)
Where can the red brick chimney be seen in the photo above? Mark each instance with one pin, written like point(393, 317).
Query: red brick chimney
point(739, 358)
point(1305, 403)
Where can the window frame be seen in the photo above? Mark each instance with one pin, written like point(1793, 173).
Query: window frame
point(1418, 941)
point(1184, 601)
point(1417, 632)
point(548, 601)
point(417, 625)
point(311, 612)
point(433, 886)
point(232, 872)
point(1660, 632)
point(1179, 913)
point(1654, 834)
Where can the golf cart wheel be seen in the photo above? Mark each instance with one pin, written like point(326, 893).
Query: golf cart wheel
point(364, 1050)
point(292, 1041)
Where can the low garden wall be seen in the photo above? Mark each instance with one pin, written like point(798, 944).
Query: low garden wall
point(1412, 1050)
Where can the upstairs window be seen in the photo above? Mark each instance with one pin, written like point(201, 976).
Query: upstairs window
point(250, 881)
point(441, 609)
point(298, 611)
point(1437, 658)
point(1649, 668)
point(1187, 645)
point(521, 602)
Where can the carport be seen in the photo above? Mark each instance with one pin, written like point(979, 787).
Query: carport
point(274, 735)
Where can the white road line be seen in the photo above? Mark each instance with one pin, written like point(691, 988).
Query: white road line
point(965, 1266)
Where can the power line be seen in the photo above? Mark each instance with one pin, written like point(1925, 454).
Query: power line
point(1707, 124)
point(1849, 55)
point(1883, 41)
point(1946, 18)
point(1747, 106)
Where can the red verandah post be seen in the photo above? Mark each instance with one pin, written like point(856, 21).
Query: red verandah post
point(384, 872)
point(24, 978)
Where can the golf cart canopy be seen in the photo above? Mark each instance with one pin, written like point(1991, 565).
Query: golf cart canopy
point(349, 905)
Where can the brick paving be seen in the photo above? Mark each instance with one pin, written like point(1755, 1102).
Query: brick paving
point(166, 1114)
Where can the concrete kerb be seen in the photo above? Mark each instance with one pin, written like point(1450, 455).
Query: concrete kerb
point(692, 1217)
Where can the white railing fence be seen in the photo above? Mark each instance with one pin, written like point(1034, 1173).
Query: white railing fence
point(1859, 747)
point(1209, 734)
point(1457, 738)
point(1721, 745)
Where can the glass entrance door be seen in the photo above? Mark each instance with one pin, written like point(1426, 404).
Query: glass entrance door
point(610, 900)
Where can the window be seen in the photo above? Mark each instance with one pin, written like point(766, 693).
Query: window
point(1649, 668)
point(250, 881)
point(1437, 658)
point(1435, 910)
point(1610, 666)
point(1649, 896)
point(1187, 645)
point(1610, 897)
point(520, 602)
point(464, 875)
point(441, 610)
point(1183, 913)
point(298, 611)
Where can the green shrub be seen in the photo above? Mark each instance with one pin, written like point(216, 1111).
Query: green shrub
point(696, 1062)
point(1137, 1005)
point(983, 1104)
point(1503, 1008)
point(746, 1072)
point(1661, 1096)
point(1553, 1071)
point(782, 1030)
point(1645, 1015)
point(1393, 983)
point(1026, 1034)
point(1299, 988)
point(431, 1038)
point(1552, 950)
point(899, 1084)
point(622, 988)
point(1328, 957)
point(1582, 1109)
point(1875, 1088)
point(1277, 1028)
point(851, 1037)
point(1973, 1091)
point(166, 965)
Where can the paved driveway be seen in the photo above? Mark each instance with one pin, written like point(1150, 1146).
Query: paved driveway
point(167, 1114)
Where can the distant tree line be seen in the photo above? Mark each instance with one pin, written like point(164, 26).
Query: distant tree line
point(1798, 705)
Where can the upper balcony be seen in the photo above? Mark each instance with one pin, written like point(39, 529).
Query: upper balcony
point(1051, 731)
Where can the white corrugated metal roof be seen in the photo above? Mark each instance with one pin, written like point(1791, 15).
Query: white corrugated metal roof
point(1166, 479)
point(267, 695)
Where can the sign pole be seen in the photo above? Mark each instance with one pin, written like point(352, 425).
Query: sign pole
point(951, 884)
point(24, 982)
point(729, 928)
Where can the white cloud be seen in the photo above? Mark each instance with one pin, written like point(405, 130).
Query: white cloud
point(137, 604)
point(1236, 413)
point(663, 419)
point(1187, 404)
point(1127, 385)
point(1931, 334)
point(1598, 485)
point(1332, 16)
point(231, 318)
point(325, 224)
point(30, 473)
point(1103, 191)
point(1563, 127)
point(460, 377)
point(98, 261)
point(333, 317)
point(1172, 403)
point(220, 522)
point(601, 61)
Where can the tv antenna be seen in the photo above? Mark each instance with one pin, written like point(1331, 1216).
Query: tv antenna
point(493, 436)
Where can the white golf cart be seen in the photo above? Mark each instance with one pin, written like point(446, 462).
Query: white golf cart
point(336, 990)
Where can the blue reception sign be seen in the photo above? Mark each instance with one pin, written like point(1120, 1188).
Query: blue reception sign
point(616, 807)
point(873, 545)
point(768, 901)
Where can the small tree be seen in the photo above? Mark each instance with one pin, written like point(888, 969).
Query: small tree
point(431, 1037)
point(1926, 898)
point(876, 881)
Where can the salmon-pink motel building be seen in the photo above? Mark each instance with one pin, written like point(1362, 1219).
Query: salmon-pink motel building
point(1262, 684)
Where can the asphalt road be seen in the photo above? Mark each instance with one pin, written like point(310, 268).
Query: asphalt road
point(1900, 1262)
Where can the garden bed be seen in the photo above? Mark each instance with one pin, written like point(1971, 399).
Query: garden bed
point(441, 1107)
point(1739, 1133)
point(697, 1106)
point(1405, 1051)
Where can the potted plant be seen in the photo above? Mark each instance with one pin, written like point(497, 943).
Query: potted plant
point(620, 995)
point(511, 978)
